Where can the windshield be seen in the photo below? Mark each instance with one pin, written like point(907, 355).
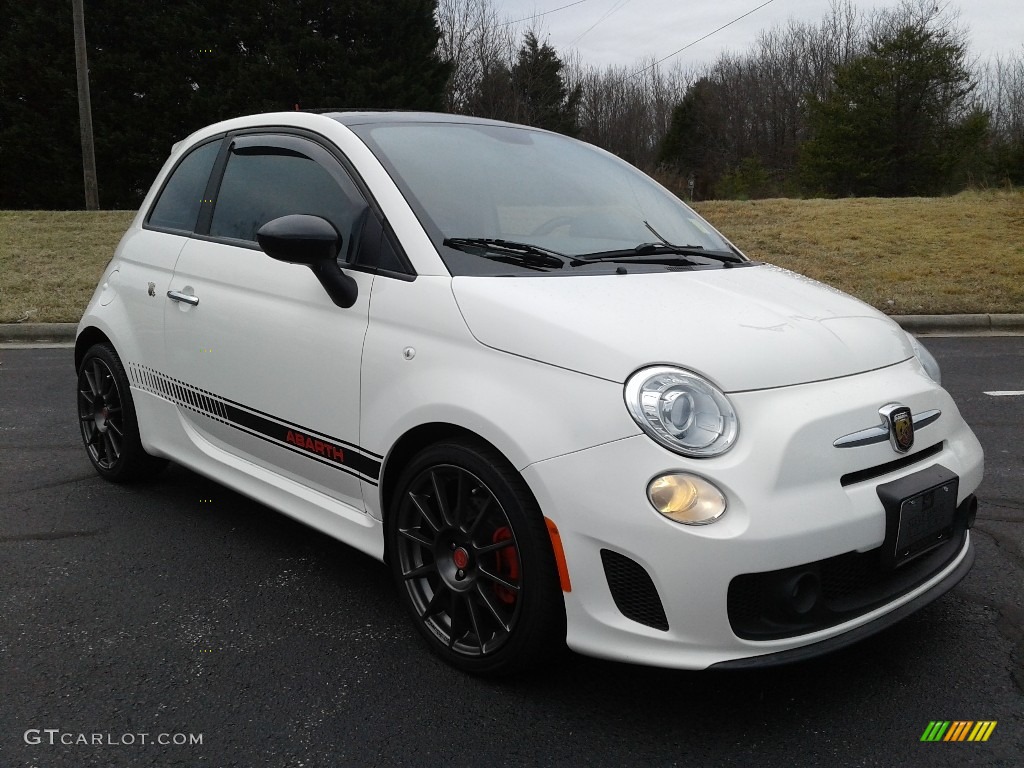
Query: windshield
point(479, 182)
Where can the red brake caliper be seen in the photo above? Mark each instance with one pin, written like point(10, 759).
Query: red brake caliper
point(507, 566)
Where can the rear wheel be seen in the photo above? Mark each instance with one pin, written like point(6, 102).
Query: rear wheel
point(473, 562)
point(106, 414)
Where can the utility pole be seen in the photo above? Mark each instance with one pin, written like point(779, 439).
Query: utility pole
point(92, 194)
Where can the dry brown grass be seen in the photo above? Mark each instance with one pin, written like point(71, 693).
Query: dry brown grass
point(904, 256)
point(50, 261)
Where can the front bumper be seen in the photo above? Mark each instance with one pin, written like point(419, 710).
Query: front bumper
point(787, 507)
point(947, 582)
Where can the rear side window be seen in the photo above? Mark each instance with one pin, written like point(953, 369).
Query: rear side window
point(280, 176)
point(180, 199)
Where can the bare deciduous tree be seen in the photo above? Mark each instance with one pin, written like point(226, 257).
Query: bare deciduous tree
point(478, 42)
point(751, 117)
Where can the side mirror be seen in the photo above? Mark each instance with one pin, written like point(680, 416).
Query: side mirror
point(314, 242)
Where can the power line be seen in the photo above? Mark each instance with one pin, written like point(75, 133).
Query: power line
point(700, 39)
point(615, 6)
point(538, 15)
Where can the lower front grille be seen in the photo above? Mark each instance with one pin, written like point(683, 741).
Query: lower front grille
point(862, 475)
point(633, 591)
point(806, 598)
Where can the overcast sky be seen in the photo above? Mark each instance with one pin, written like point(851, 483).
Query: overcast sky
point(633, 29)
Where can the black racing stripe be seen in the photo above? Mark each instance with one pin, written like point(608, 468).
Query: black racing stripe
point(328, 451)
point(364, 465)
point(312, 432)
point(306, 442)
point(301, 452)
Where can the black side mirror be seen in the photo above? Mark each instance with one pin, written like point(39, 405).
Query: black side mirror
point(314, 242)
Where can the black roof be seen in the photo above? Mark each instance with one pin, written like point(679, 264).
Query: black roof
point(366, 116)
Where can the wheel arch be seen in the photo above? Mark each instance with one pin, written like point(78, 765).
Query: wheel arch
point(414, 441)
point(87, 338)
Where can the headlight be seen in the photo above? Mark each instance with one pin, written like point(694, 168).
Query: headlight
point(929, 363)
point(682, 411)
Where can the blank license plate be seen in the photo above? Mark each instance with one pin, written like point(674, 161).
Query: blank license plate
point(926, 520)
point(920, 513)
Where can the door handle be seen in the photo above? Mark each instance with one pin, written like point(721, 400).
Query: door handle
point(184, 297)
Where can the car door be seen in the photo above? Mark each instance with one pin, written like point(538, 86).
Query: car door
point(265, 366)
point(147, 255)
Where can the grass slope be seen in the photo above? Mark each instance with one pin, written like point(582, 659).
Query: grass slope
point(904, 256)
point(50, 261)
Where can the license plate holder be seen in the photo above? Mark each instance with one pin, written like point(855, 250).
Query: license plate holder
point(920, 514)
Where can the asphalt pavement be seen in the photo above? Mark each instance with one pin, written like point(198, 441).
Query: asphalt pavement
point(181, 612)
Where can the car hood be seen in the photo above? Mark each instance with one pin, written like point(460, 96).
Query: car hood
point(743, 328)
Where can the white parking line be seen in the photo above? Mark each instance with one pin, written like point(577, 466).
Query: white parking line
point(1006, 393)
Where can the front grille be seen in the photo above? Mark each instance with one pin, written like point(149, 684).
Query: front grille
point(634, 593)
point(806, 598)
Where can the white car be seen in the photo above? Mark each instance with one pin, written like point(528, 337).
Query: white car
point(561, 405)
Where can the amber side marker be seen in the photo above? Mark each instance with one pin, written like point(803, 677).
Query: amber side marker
point(556, 545)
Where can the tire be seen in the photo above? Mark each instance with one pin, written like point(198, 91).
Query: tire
point(473, 563)
point(106, 414)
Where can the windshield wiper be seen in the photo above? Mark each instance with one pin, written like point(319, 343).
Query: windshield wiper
point(523, 254)
point(647, 249)
point(656, 253)
point(664, 248)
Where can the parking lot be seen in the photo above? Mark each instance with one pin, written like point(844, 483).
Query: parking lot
point(186, 625)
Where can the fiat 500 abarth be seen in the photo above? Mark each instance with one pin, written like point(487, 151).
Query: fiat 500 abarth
point(559, 404)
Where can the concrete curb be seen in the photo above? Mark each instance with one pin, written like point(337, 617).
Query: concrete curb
point(963, 324)
point(55, 333)
point(37, 333)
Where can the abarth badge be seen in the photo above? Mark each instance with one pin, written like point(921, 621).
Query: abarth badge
point(900, 423)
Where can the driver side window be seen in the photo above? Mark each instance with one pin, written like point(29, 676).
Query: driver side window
point(267, 177)
point(177, 208)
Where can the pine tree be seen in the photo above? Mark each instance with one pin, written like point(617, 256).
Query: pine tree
point(543, 98)
point(532, 91)
point(897, 121)
point(158, 72)
point(40, 144)
point(689, 147)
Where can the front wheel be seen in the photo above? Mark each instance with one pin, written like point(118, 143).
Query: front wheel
point(106, 415)
point(473, 562)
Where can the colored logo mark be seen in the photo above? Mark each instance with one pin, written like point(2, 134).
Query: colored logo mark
point(959, 730)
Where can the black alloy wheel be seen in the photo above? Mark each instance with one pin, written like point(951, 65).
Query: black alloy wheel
point(473, 562)
point(106, 415)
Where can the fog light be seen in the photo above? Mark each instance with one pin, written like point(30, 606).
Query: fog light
point(799, 593)
point(686, 498)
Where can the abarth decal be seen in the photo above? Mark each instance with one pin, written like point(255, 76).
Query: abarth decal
point(306, 442)
point(317, 446)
